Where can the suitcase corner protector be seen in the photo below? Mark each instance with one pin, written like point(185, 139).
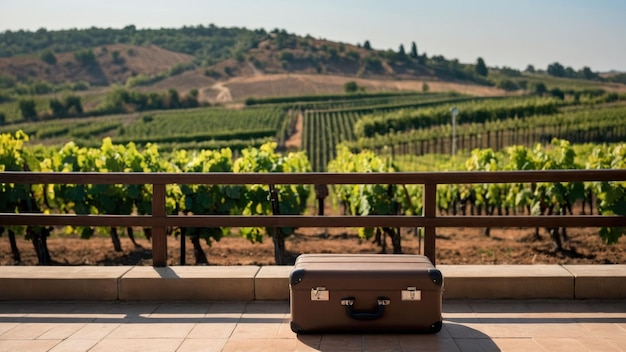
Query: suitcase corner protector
point(295, 328)
point(295, 277)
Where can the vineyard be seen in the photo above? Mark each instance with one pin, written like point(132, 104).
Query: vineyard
point(201, 128)
point(360, 133)
point(425, 127)
point(363, 200)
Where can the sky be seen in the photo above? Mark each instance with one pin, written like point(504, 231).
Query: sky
point(513, 33)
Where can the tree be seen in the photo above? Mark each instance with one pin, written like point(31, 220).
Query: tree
point(530, 69)
point(507, 85)
point(367, 45)
point(556, 69)
point(73, 105)
point(173, 99)
point(401, 51)
point(85, 57)
point(351, 87)
point(117, 58)
point(49, 57)
point(588, 74)
point(481, 68)
point(425, 87)
point(414, 54)
point(557, 93)
point(28, 109)
point(58, 108)
point(540, 88)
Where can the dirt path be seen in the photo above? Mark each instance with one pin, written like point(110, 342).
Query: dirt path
point(295, 140)
point(255, 71)
point(224, 93)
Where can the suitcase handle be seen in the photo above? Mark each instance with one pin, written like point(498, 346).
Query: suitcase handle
point(348, 302)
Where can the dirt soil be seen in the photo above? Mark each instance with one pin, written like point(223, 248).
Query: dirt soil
point(454, 246)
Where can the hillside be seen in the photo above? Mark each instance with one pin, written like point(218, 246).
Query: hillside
point(114, 64)
point(232, 64)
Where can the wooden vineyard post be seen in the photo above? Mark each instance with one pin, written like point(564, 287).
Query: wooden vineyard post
point(159, 236)
point(429, 212)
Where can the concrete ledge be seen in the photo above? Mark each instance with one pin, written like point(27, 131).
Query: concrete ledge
point(507, 281)
point(248, 283)
point(272, 283)
point(228, 283)
point(60, 283)
point(599, 281)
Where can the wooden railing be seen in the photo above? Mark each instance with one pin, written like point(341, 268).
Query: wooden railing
point(429, 220)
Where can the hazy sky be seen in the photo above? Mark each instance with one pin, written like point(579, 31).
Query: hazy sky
point(511, 33)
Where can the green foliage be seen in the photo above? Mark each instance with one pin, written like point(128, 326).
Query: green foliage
point(85, 57)
point(6, 82)
point(367, 199)
point(48, 57)
point(586, 124)
point(544, 198)
point(117, 57)
point(119, 100)
point(373, 64)
point(27, 109)
point(474, 111)
point(414, 54)
point(291, 198)
point(508, 85)
point(207, 43)
point(212, 73)
point(539, 88)
point(481, 68)
point(556, 69)
point(350, 87)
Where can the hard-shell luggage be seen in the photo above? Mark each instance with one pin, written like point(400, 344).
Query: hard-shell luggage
point(365, 293)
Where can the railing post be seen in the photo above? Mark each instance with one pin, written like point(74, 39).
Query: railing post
point(429, 211)
point(159, 236)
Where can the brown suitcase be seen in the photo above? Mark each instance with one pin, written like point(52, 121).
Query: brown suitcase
point(365, 293)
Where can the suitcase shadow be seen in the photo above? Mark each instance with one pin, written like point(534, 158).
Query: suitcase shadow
point(452, 337)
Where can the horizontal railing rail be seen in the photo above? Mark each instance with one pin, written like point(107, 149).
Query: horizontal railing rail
point(429, 220)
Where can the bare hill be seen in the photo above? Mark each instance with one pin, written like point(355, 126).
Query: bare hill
point(131, 61)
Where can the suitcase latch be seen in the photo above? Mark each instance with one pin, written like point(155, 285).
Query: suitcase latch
point(411, 294)
point(319, 294)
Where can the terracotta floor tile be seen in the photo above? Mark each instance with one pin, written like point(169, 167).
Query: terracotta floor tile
point(134, 345)
point(27, 345)
point(74, 346)
point(560, 344)
point(312, 342)
point(4, 327)
point(255, 331)
point(341, 342)
point(517, 344)
point(26, 331)
point(598, 345)
point(93, 331)
point(606, 331)
point(212, 331)
point(157, 331)
point(381, 343)
point(61, 331)
point(202, 345)
point(478, 345)
point(262, 345)
point(427, 343)
point(619, 343)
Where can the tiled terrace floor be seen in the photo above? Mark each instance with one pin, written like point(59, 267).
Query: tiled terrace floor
point(264, 326)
